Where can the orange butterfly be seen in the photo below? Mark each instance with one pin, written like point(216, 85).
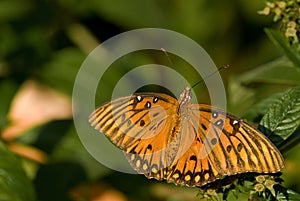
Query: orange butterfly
point(184, 143)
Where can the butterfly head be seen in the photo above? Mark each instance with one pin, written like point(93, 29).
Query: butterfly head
point(185, 96)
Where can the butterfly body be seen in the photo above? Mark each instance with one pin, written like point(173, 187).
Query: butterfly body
point(184, 143)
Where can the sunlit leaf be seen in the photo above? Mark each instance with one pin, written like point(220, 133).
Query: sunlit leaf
point(283, 117)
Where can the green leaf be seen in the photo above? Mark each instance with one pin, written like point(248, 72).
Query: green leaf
point(13, 9)
point(8, 90)
point(280, 41)
point(60, 73)
point(279, 71)
point(72, 149)
point(14, 184)
point(261, 108)
point(240, 97)
point(283, 117)
point(289, 195)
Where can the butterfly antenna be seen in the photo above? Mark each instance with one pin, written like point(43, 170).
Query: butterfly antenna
point(169, 59)
point(218, 70)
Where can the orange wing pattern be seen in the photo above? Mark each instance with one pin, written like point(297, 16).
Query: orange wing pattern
point(191, 144)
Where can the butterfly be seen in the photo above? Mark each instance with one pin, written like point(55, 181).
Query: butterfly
point(188, 144)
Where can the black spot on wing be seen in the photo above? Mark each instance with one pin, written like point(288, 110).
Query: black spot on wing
point(149, 147)
point(219, 123)
point(239, 147)
point(235, 125)
point(139, 98)
point(214, 114)
point(142, 123)
point(193, 158)
point(213, 141)
point(203, 126)
point(228, 148)
point(148, 104)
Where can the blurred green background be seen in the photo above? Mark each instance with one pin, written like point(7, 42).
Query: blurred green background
point(42, 46)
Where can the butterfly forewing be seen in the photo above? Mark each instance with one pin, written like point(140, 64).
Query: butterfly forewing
point(183, 143)
point(138, 124)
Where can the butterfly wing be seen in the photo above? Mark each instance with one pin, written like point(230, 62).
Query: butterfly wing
point(191, 144)
point(222, 145)
point(142, 125)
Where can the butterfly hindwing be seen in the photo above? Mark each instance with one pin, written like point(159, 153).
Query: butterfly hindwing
point(234, 148)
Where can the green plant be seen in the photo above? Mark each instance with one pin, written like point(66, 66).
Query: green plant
point(278, 109)
point(46, 41)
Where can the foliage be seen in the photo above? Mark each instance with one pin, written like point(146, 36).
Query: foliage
point(287, 12)
point(279, 111)
point(15, 185)
point(47, 41)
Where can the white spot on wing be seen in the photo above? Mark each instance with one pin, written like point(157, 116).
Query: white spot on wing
point(235, 122)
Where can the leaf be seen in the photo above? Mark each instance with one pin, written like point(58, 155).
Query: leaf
point(71, 149)
point(15, 186)
point(279, 71)
point(283, 117)
point(8, 90)
point(280, 41)
point(261, 108)
point(13, 9)
point(289, 195)
point(61, 71)
point(240, 97)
